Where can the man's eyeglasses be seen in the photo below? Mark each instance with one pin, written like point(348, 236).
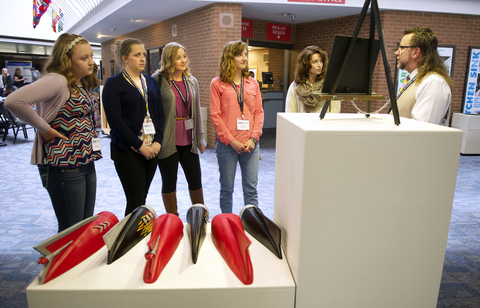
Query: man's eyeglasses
point(400, 47)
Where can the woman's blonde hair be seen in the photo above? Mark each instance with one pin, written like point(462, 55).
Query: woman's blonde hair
point(60, 61)
point(227, 68)
point(169, 56)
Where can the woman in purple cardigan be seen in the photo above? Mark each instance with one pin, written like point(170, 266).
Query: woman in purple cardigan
point(65, 145)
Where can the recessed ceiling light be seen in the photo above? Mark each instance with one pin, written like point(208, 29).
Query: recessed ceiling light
point(133, 20)
point(99, 36)
point(286, 14)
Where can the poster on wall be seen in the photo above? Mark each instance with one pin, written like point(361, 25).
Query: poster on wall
point(24, 67)
point(471, 95)
point(446, 53)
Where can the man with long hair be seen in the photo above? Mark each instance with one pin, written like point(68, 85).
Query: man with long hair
point(427, 95)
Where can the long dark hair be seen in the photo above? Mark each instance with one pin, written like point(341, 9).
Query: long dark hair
point(304, 65)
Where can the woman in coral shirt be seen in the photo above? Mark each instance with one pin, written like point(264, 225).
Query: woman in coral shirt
point(237, 116)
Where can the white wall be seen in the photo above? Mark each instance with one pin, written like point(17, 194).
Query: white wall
point(17, 21)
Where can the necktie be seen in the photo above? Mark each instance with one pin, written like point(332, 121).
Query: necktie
point(404, 84)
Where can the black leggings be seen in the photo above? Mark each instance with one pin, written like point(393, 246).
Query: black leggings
point(136, 174)
point(191, 167)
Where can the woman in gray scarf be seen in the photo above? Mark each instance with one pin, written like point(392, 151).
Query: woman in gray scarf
point(309, 77)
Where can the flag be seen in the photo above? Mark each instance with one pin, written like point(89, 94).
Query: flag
point(39, 8)
point(54, 21)
point(60, 21)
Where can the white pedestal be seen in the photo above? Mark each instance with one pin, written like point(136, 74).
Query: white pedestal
point(209, 283)
point(470, 124)
point(365, 208)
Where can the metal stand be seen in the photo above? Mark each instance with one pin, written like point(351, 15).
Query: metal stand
point(374, 21)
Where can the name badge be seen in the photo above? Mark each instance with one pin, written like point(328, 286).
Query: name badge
point(243, 124)
point(148, 127)
point(188, 124)
point(96, 146)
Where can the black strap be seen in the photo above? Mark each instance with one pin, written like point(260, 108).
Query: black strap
point(239, 96)
point(184, 100)
point(406, 87)
point(144, 90)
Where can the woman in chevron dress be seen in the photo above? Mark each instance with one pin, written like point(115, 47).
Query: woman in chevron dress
point(65, 145)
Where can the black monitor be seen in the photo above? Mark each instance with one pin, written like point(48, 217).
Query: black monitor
point(355, 76)
point(267, 78)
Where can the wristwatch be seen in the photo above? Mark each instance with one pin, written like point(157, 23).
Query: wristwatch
point(253, 139)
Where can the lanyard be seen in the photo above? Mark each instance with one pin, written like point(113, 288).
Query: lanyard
point(185, 101)
point(87, 96)
point(239, 96)
point(144, 93)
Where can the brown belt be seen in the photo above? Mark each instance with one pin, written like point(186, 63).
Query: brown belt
point(178, 118)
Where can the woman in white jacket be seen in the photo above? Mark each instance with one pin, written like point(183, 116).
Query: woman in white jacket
point(309, 77)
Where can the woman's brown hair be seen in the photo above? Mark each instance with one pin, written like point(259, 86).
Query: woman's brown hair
point(60, 61)
point(227, 67)
point(304, 65)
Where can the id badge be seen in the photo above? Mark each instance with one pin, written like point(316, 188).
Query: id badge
point(96, 146)
point(243, 124)
point(148, 127)
point(188, 124)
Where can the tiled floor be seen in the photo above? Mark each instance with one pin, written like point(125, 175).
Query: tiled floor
point(27, 217)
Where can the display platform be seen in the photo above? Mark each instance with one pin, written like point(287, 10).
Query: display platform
point(364, 208)
point(470, 125)
point(209, 283)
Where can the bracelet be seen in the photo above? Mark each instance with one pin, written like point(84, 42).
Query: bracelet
point(253, 139)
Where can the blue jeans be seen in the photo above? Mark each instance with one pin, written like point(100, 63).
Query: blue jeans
point(227, 166)
point(72, 192)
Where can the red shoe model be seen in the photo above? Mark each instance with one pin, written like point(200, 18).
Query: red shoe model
point(70, 247)
point(166, 235)
point(232, 243)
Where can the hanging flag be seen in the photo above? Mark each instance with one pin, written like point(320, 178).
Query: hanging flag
point(35, 13)
point(39, 8)
point(60, 21)
point(54, 21)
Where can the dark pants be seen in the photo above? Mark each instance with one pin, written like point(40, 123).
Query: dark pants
point(191, 167)
point(135, 173)
point(72, 192)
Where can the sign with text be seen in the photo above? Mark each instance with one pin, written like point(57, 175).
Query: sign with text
point(278, 32)
point(320, 1)
point(471, 97)
point(247, 28)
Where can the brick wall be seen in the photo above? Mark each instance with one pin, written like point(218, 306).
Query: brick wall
point(200, 33)
point(451, 29)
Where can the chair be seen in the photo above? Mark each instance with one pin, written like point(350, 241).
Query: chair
point(8, 120)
